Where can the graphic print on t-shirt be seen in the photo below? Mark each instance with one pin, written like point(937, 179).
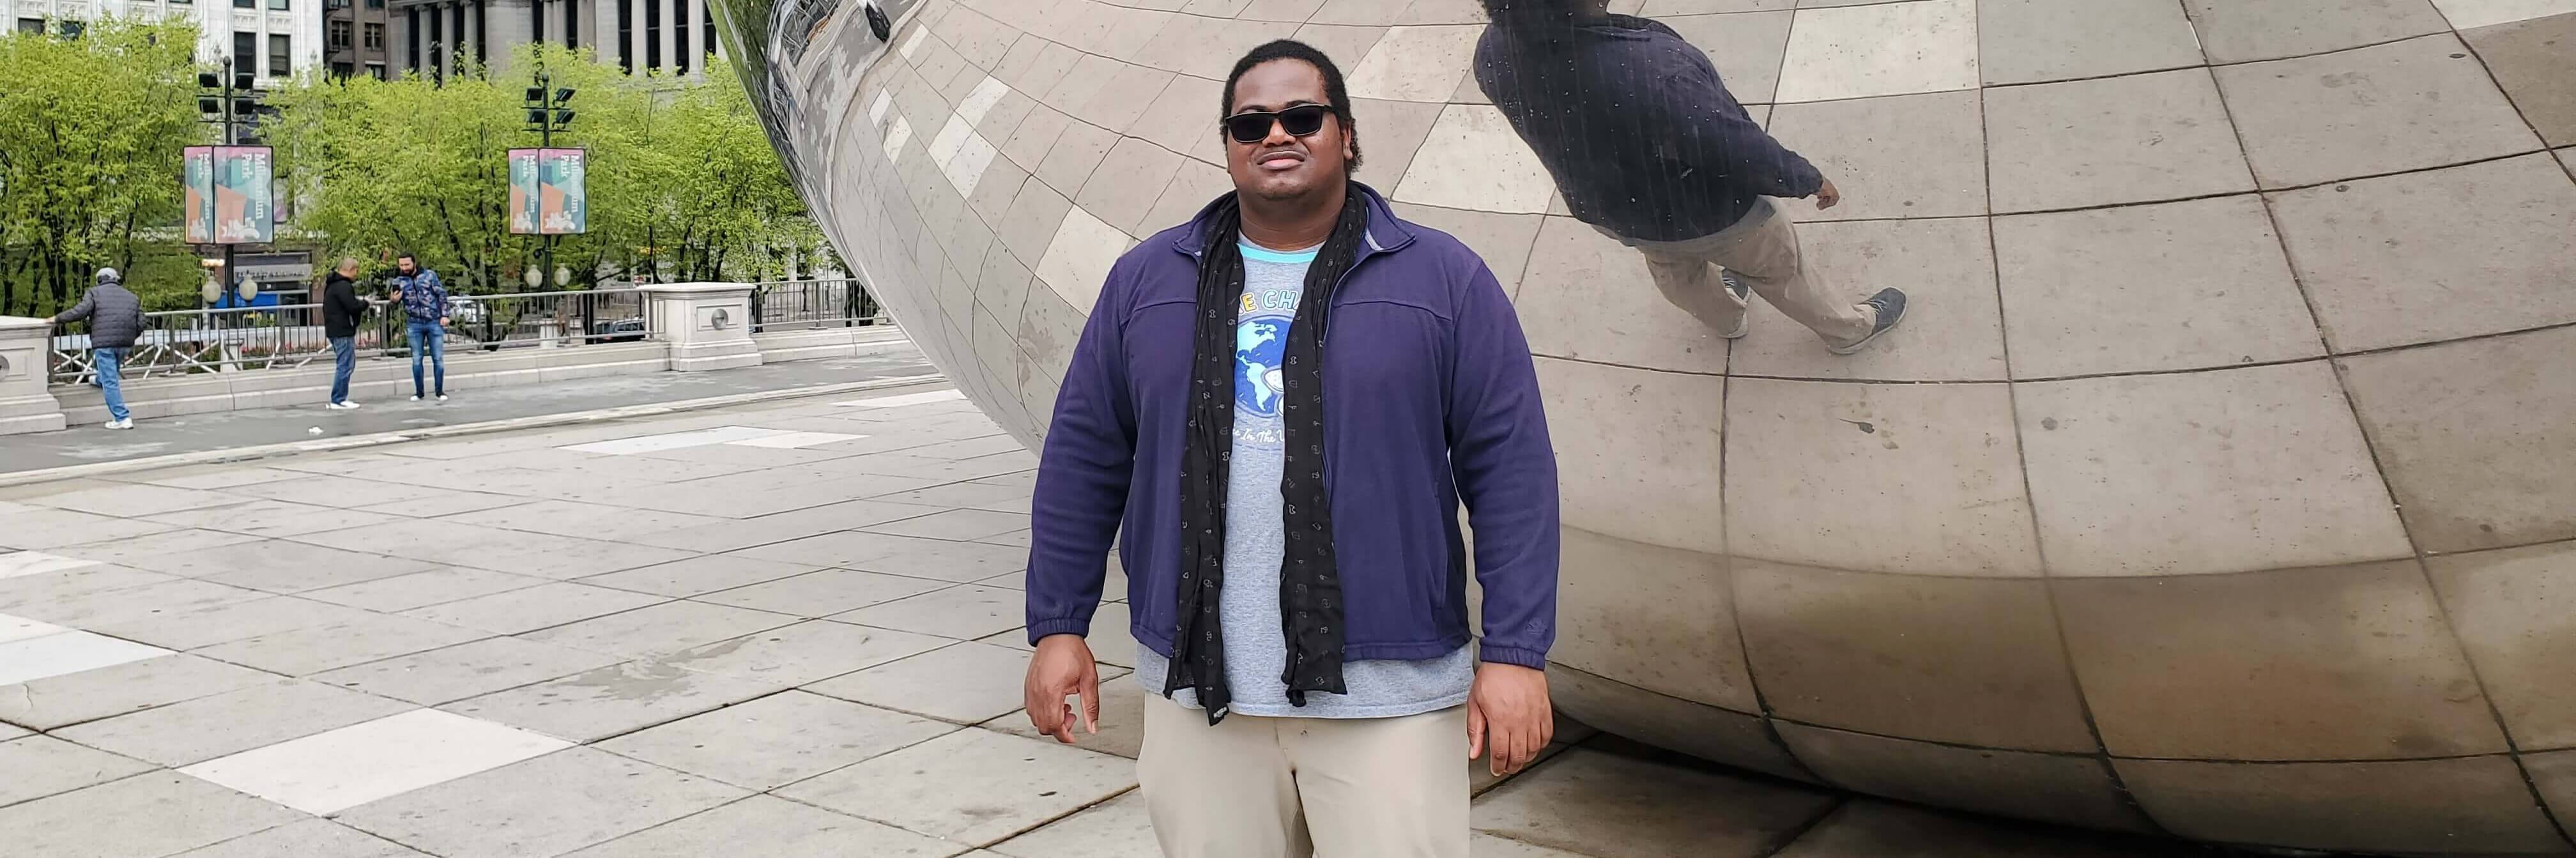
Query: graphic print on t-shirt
point(1260, 348)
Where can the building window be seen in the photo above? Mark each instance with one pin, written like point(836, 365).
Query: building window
point(341, 34)
point(377, 70)
point(74, 29)
point(245, 53)
point(375, 37)
point(375, 4)
point(707, 35)
point(281, 55)
point(245, 4)
point(342, 70)
point(32, 26)
point(278, 5)
point(680, 54)
point(411, 38)
point(626, 35)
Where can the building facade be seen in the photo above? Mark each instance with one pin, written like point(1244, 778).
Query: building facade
point(357, 37)
point(633, 35)
point(269, 38)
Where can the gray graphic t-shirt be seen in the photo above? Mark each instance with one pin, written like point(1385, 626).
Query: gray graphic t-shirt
point(1256, 644)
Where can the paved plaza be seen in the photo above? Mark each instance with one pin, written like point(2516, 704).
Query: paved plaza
point(780, 629)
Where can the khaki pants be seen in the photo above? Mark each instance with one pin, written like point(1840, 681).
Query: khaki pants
point(1762, 250)
point(1248, 787)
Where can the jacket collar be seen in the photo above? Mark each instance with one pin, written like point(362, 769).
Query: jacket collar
point(1385, 233)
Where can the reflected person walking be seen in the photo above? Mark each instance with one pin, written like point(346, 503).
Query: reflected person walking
point(1650, 149)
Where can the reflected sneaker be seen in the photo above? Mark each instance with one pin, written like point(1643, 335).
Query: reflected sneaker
point(1890, 304)
point(1744, 297)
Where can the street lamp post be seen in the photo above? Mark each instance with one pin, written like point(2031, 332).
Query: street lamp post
point(231, 102)
point(547, 114)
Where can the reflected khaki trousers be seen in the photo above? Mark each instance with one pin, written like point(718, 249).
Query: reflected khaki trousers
point(1762, 250)
point(1254, 787)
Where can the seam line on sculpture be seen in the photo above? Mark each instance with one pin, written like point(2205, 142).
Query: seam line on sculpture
point(2336, 357)
point(2361, 427)
point(2423, 566)
point(1734, 593)
point(2030, 499)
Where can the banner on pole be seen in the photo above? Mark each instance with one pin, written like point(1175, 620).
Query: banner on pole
point(197, 177)
point(549, 193)
point(231, 194)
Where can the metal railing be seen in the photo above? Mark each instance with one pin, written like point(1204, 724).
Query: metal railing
point(182, 342)
point(803, 304)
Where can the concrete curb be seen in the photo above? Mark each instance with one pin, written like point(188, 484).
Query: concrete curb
point(352, 442)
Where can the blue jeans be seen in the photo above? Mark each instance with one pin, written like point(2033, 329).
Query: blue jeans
point(344, 360)
point(427, 337)
point(111, 381)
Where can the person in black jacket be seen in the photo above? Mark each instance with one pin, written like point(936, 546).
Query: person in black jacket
point(342, 309)
point(116, 321)
point(1649, 148)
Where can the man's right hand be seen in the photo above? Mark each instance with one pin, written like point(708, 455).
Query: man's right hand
point(1061, 668)
point(1828, 196)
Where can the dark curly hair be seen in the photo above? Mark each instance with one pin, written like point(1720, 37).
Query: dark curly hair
point(1336, 94)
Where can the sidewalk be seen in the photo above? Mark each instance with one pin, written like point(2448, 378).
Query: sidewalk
point(229, 430)
point(779, 629)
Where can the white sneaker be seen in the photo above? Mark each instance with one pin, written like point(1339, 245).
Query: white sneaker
point(349, 404)
point(415, 399)
point(442, 397)
point(337, 406)
point(127, 423)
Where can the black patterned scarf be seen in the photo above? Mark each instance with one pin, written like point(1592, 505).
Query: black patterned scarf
point(1310, 588)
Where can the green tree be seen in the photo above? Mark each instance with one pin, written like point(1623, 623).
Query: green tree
point(682, 181)
point(91, 130)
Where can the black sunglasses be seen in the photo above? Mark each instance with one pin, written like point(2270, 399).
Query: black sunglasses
point(1254, 126)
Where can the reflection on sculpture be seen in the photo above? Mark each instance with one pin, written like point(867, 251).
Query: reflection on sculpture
point(2219, 485)
point(1648, 147)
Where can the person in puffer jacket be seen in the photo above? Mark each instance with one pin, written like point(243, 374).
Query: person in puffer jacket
point(115, 322)
point(424, 303)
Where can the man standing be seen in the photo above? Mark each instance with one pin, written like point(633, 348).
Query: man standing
point(341, 311)
point(1649, 148)
point(116, 321)
point(1283, 403)
point(424, 303)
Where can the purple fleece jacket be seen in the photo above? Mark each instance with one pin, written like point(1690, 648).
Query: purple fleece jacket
point(1431, 399)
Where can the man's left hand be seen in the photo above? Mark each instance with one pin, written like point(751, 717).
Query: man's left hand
point(442, 321)
point(1508, 713)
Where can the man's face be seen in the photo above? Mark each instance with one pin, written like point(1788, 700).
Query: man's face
point(1283, 166)
point(407, 266)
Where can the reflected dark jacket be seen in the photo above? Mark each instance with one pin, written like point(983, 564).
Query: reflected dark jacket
point(341, 307)
point(115, 316)
point(1439, 402)
point(1631, 119)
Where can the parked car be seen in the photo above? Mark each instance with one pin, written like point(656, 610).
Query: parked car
point(617, 331)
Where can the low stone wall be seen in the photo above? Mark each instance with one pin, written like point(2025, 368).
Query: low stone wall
point(811, 343)
point(382, 379)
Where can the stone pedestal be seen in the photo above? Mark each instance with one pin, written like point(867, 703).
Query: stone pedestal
point(708, 325)
point(25, 403)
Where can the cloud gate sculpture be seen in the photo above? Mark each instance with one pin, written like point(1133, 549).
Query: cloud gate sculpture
point(2222, 483)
